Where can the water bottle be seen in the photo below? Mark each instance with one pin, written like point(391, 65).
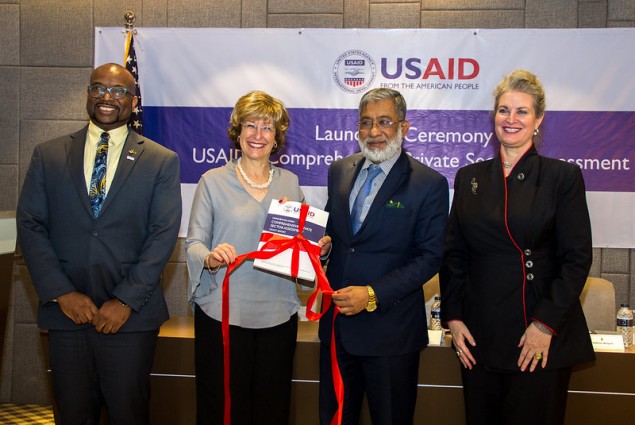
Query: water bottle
point(625, 324)
point(435, 315)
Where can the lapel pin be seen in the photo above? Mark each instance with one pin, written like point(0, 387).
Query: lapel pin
point(131, 155)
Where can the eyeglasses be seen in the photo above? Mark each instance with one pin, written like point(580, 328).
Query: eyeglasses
point(383, 124)
point(251, 127)
point(116, 92)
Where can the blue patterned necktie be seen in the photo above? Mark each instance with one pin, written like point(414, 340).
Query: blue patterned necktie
point(97, 190)
point(358, 205)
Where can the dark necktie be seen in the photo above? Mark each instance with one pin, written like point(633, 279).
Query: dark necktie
point(97, 190)
point(373, 171)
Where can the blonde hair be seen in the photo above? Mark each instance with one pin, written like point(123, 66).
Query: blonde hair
point(523, 81)
point(259, 105)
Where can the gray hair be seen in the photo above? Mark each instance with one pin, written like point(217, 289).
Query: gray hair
point(381, 94)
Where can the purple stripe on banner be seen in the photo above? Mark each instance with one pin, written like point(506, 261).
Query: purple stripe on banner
point(601, 143)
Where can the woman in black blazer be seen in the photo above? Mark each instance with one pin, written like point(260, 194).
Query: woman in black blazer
point(518, 251)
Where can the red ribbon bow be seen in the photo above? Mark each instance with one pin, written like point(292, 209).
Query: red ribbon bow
point(272, 247)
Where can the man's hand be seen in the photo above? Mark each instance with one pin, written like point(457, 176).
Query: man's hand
point(351, 300)
point(111, 317)
point(77, 307)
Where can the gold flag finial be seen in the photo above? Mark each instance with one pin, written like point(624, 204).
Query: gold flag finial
point(130, 18)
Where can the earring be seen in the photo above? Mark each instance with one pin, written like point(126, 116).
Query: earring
point(275, 145)
point(536, 131)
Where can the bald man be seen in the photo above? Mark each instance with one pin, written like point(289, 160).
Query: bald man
point(98, 217)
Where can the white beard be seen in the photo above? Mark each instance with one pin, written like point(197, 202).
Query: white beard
point(392, 147)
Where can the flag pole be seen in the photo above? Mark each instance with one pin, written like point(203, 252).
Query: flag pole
point(129, 18)
point(130, 63)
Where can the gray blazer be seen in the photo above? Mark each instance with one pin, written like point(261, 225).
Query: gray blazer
point(119, 254)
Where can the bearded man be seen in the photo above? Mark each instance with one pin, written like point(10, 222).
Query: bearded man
point(388, 216)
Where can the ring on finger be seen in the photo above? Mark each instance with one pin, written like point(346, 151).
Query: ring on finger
point(538, 356)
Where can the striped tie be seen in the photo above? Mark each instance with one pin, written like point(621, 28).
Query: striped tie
point(97, 190)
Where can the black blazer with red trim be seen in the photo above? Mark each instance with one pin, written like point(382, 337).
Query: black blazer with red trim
point(519, 249)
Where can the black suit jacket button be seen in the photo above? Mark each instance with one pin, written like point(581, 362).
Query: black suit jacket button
point(528, 252)
point(529, 264)
point(521, 176)
point(530, 276)
point(95, 233)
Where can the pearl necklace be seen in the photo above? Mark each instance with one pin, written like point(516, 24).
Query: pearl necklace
point(507, 164)
point(249, 181)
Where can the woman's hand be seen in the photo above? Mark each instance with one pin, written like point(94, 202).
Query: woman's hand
point(535, 350)
point(461, 336)
point(222, 253)
point(325, 245)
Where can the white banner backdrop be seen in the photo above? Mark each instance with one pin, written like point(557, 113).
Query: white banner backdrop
point(191, 79)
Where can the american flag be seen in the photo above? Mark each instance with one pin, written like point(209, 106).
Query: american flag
point(130, 58)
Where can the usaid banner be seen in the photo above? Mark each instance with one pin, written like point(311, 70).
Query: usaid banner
point(191, 79)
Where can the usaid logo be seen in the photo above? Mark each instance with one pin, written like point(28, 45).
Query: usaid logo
point(354, 71)
point(354, 62)
point(290, 209)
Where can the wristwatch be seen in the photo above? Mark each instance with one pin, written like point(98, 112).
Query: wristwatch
point(372, 300)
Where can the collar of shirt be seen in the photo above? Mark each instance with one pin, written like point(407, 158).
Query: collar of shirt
point(385, 166)
point(117, 136)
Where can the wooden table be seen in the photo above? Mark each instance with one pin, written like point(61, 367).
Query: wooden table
point(601, 392)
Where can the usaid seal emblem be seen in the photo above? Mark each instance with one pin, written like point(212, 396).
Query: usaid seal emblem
point(354, 71)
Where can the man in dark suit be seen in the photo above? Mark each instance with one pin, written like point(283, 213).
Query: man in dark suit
point(385, 243)
point(98, 217)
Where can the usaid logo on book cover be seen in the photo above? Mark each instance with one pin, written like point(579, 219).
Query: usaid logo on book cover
point(354, 71)
point(289, 208)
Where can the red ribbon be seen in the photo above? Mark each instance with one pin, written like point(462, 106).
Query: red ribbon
point(273, 246)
